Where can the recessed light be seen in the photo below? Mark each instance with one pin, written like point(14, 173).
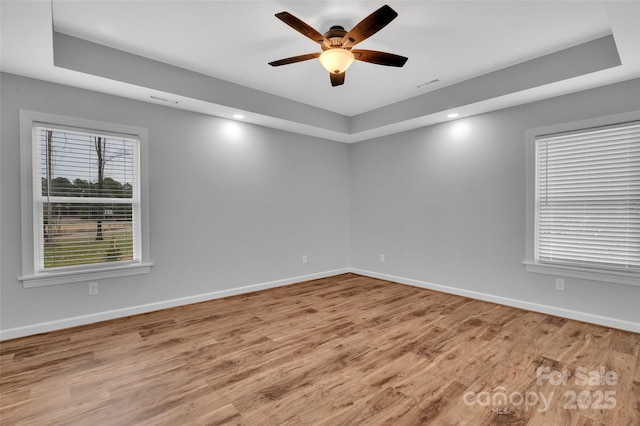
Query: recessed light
point(453, 115)
point(238, 116)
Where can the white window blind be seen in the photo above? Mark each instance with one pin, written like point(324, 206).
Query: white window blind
point(86, 198)
point(588, 198)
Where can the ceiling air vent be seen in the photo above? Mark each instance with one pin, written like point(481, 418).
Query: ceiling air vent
point(157, 98)
point(421, 85)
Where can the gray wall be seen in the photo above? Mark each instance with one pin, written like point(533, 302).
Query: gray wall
point(231, 205)
point(446, 205)
point(234, 204)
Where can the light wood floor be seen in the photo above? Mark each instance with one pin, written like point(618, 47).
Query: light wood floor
point(343, 350)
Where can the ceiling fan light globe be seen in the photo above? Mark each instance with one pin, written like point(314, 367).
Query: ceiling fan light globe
point(336, 60)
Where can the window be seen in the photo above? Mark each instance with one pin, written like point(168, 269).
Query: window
point(585, 198)
point(84, 202)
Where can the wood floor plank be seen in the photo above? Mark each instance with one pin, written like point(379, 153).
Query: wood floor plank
point(343, 350)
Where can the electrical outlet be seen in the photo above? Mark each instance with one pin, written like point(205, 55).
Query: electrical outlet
point(382, 258)
point(93, 289)
point(304, 259)
point(560, 284)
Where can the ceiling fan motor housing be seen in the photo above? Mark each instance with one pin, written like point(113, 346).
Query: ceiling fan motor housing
point(335, 34)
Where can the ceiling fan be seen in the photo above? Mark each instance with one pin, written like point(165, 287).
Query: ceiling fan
point(337, 44)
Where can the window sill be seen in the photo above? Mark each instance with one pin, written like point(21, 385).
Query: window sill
point(628, 278)
point(65, 277)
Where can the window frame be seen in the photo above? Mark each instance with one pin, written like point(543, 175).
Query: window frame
point(31, 276)
point(531, 264)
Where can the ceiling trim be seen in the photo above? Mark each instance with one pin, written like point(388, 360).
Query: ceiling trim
point(202, 93)
point(586, 58)
point(84, 56)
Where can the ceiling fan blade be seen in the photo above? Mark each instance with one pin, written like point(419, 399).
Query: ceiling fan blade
point(294, 59)
point(337, 79)
point(302, 27)
point(370, 25)
point(380, 58)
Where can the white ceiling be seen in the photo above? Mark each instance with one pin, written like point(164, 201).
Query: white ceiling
point(452, 41)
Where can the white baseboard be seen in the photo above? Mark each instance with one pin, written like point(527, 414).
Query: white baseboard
point(545, 309)
point(150, 307)
point(29, 330)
